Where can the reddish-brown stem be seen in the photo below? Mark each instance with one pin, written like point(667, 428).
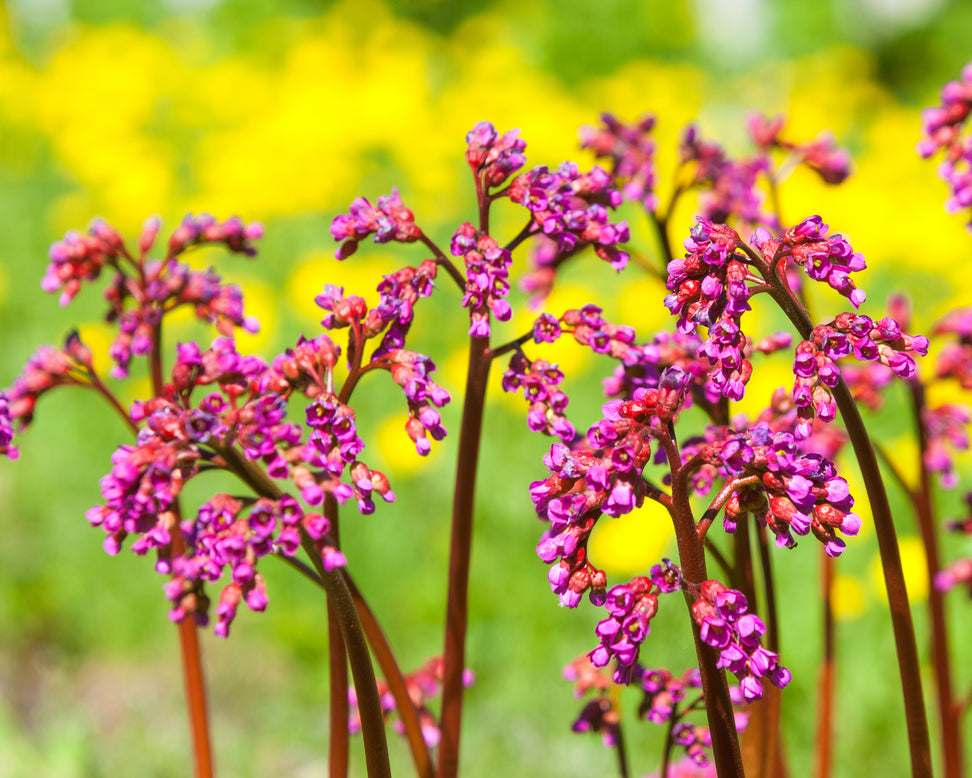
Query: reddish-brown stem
point(903, 627)
point(773, 763)
point(951, 730)
point(443, 261)
point(824, 729)
point(389, 666)
point(691, 554)
point(396, 682)
point(460, 550)
point(105, 392)
point(337, 661)
point(369, 705)
point(195, 686)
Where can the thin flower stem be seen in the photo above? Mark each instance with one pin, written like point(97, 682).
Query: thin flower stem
point(951, 731)
point(188, 639)
point(824, 728)
point(669, 742)
point(443, 261)
point(192, 673)
point(369, 705)
point(105, 392)
point(460, 549)
point(337, 659)
point(381, 648)
point(904, 632)
point(365, 686)
point(773, 752)
point(396, 682)
point(513, 345)
point(522, 235)
point(619, 746)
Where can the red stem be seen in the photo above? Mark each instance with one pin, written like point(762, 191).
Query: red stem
point(460, 550)
point(948, 712)
point(824, 729)
point(338, 706)
point(901, 622)
point(195, 686)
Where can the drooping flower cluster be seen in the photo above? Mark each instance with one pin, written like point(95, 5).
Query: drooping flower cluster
point(823, 258)
point(943, 127)
point(630, 608)
point(389, 220)
point(599, 714)
point(631, 150)
point(539, 381)
point(494, 157)
point(487, 277)
point(242, 420)
point(822, 155)
point(726, 625)
point(423, 685)
point(815, 362)
point(571, 208)
point(601, 475)
point(710, 286)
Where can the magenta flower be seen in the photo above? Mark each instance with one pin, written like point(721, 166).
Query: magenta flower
point(388, 221)
point(492, 157)
point(571, 209)
point(632, 153)
point(487, 278)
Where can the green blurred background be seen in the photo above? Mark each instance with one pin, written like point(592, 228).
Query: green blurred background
point(284, 112)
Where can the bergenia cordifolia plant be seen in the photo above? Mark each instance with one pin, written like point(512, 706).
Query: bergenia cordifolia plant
point(287, 430)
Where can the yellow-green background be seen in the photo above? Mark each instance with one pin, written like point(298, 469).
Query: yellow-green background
point(284, 112)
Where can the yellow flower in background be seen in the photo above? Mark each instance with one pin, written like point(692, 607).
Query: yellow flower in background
point(633, 543)
point(915, 572)
point(848, 597)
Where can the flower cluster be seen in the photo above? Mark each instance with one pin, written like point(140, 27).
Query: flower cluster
point(632, 153)
point(815, 361)
point(726, 625)
point(958, 572)
point(487, 277)
point(423, 685)
point(955, 358)
point(943, 129)
point(602, 475)
point(412, 372)
point(823, 258)
point(786, 488)
point(822, 155)
point(7, 448)
point(946, 427)
point(710, 286)
point(571, 208)
point(79, 258)
point(47, 368)
point(601, 713)
point(144, 290)
point(494, 157)
point(390, 220)
point(729, 187)
point(399, 292)
point(539, 381)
